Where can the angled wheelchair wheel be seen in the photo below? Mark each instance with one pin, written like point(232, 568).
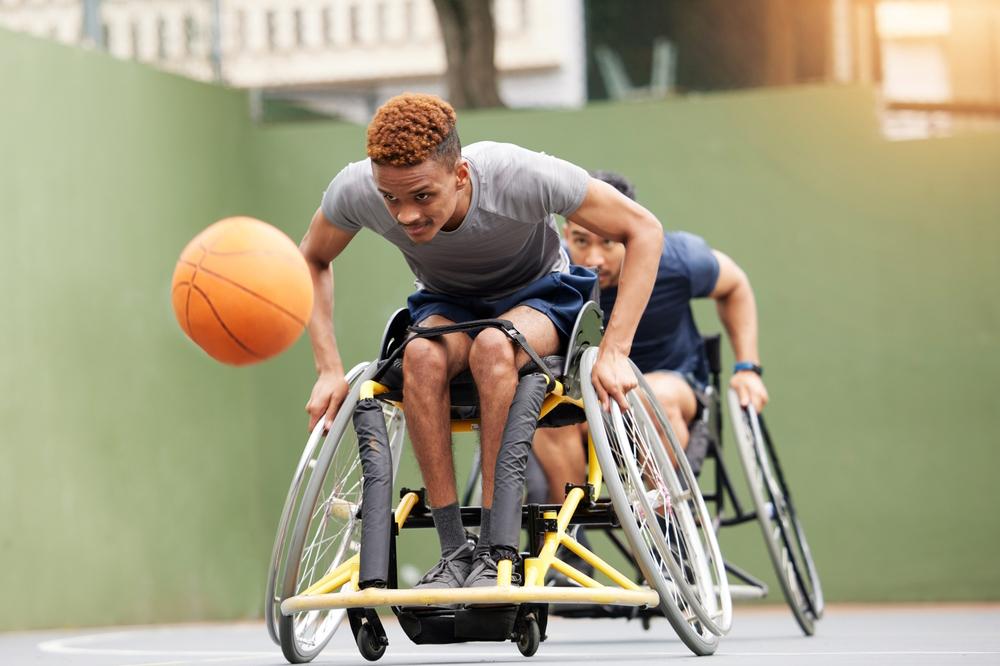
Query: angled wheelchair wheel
point(303, 471)
point(323, 530)
point(783, 533)
point(662, 513)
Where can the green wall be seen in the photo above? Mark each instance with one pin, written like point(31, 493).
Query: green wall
point(140, 481)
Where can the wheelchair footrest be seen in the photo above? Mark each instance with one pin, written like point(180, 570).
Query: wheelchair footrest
point(458, 626)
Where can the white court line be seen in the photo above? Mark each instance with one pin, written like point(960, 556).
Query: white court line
point(70, 646)
point(81, 645)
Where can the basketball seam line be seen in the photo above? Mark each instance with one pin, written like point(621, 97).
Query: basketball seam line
point(222, 323)
point(249, 291)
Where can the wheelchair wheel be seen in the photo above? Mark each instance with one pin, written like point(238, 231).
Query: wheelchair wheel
point(783, 533)
point(662, 513)
point(276, 568)
point(326, 531)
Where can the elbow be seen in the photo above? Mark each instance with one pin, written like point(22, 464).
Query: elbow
point(650, 232)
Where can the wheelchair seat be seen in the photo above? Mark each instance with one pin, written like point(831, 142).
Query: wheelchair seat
point(463, 386)
point(463, 395)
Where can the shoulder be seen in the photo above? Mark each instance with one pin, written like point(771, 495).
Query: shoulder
point(692, 257)
point(684, 246)
point(355, 177)
point(530, 182)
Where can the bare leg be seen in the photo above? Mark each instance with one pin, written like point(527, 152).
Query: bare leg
point(494, 367)
point(561, 455)
point(428, 367)
point(677, 399)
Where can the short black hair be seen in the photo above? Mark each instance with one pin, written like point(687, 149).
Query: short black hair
point(617, 181)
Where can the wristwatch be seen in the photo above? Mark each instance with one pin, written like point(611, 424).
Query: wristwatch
point(742, 366)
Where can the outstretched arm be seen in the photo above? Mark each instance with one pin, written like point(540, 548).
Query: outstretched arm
point(320, 246)
point(610, 214)
point(737, 309)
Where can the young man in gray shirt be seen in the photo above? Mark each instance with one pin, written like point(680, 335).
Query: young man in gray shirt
point(477, 228)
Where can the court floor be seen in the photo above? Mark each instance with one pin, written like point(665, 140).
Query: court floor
point(966, 634)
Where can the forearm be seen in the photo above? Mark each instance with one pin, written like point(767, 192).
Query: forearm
point(642, 257)
point(321, 334)
point(738, 314)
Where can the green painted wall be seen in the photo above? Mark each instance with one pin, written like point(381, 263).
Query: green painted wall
point(141, 481)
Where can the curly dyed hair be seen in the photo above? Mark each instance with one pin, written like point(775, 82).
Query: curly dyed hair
point(412, 128)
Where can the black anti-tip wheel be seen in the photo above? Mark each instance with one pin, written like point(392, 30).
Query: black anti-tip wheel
point(530, 637)
point(369, 645)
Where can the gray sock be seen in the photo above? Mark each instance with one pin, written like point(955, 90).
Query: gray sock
point(483, 547)
point(448, 523)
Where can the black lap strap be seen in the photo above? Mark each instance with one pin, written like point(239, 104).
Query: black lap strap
point(436, 331)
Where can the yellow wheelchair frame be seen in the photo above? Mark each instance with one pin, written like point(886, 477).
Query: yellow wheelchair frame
point(678, 595)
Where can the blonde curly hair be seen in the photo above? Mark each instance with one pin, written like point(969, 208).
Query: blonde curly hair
point(412, 128)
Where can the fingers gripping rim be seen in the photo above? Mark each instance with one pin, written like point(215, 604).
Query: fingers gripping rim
point(302, 472)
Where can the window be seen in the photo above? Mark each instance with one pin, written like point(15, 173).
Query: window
point(409, 21)
point(241, 30)
point(190, 35)
point(134, 43)
point(327, 17)
point(381, 22)
point(272, 30)
point(299, 27)
point(354, 19)
point(161, 38)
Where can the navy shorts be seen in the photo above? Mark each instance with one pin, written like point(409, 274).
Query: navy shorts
point(559, 296)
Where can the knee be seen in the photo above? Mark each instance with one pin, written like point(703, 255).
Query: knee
point(491, 356)
point(425, 361)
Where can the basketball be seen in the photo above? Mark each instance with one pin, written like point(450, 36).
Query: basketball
point(242, 291)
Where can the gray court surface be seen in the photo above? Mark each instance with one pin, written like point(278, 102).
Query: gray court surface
point(847, 635)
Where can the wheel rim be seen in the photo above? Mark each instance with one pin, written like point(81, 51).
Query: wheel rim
point(782, 530)
point(300, 478)
point(631, 498)
point(713, 583)
point(329, 532)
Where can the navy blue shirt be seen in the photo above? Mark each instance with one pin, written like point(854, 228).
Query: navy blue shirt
point(667, 338)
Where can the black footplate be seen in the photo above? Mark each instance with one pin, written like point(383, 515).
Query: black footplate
point(440, 626)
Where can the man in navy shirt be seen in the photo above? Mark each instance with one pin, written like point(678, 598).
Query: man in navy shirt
point(667, 346)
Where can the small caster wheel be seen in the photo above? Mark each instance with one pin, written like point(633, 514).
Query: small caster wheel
point(529, 638)
point(370, 646)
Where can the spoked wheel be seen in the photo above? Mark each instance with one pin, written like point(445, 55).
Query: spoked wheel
point(326, 531)
point(662, 513)
point(783, 533)
point(300, 479)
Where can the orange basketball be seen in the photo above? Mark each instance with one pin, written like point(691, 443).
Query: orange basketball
point(242, 291)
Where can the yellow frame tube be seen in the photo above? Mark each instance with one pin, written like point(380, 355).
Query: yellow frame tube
point(349, 570)
point(373, 597)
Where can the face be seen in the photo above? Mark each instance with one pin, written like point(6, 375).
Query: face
point(425, 198)
point(590, 250)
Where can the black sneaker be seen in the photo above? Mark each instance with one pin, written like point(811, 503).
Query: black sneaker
point(451, 571)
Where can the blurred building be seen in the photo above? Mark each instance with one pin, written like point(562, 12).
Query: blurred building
point(937, 61)
point(341, 55)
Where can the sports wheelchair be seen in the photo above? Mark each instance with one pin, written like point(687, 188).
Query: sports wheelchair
point(770, 496)
point(335, 548)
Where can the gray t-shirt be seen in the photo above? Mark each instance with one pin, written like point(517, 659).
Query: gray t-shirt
point(509, 236)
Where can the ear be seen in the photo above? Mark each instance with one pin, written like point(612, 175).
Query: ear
point(461, 174)
point(566, 227)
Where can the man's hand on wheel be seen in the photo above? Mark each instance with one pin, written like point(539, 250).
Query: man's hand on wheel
point(613, 378)
point(327, 395)
point(750, 389)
